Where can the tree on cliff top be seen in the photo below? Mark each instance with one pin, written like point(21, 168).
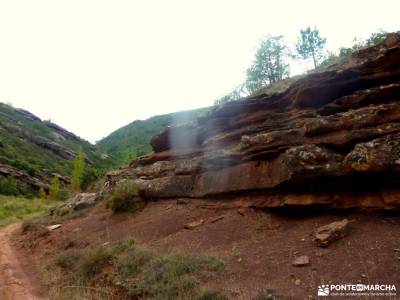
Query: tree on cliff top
point(310, 45)
point(269, 65)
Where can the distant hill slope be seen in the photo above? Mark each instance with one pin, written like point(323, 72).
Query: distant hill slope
point(132, 140)
point(32, 151)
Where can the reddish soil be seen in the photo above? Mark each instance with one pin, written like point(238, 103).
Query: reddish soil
point(18, 280)
point(257, 246)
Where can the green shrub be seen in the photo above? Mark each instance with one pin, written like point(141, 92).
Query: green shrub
point(23, 165)
point(69, 260)
point(9, 186)
point(125, 197)
point(212, 295)
point(139, 273)
point(93, 262)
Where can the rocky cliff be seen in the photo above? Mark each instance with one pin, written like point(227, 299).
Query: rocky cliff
point(332, 138)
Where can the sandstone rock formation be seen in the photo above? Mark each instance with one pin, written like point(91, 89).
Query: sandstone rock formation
point(6, 170)
point(77, 202)
point(332, 138)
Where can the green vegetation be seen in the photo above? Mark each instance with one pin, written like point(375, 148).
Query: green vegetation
point(332, 58)
point(134, 272)
point(311, 45)
point(8, 186)
point(78, 171)
point(269, 65)
point(42, 193)
point(132, 140)
point(54, 191)
point(269, 72)
point(125, 197)
point(15, 209)
point(23, 146)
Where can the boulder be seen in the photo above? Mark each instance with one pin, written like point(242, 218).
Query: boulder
point(77, 202)
point(334, 231)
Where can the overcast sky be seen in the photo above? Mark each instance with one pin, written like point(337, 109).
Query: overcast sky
point(94, 66)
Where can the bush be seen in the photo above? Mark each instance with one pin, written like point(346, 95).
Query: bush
point(9, 186)
point(93, 262)
point(125, 197)
point(212, 295)
point(138, 273)
point(23, 165)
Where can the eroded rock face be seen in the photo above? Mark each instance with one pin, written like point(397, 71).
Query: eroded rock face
point(77, 202)
point(7, 170)
point(332, 138)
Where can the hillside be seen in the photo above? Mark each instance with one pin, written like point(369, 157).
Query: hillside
point(283, 196)
point(32, 151)
point(132, 140)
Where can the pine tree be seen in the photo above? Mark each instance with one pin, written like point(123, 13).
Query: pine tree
point(311, 45)
point(269, 65)
point(78, 168)
point(54, 191)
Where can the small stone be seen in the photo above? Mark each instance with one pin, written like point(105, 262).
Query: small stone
point(169, 207)
point(327, 234)
point(53, 227)
point(363, 276)
point(297, 282)
point(182, 201)
point(194, 224)
point(241, 211)
point(301, 261)
point(216, 219)
point(239, 259)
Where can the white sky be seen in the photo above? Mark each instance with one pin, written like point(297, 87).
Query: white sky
point(94, 66)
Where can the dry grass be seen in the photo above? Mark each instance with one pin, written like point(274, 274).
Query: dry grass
point(127, 271)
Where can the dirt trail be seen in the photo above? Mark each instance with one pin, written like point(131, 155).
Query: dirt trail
point(15, 282)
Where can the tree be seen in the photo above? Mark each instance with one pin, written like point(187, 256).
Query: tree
point(310, 45)
point(376, 38)
point(42, 193)
point(358, 44)
point(236, 94)
point(54, 191)
point(78, 168)
point(269, 65)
